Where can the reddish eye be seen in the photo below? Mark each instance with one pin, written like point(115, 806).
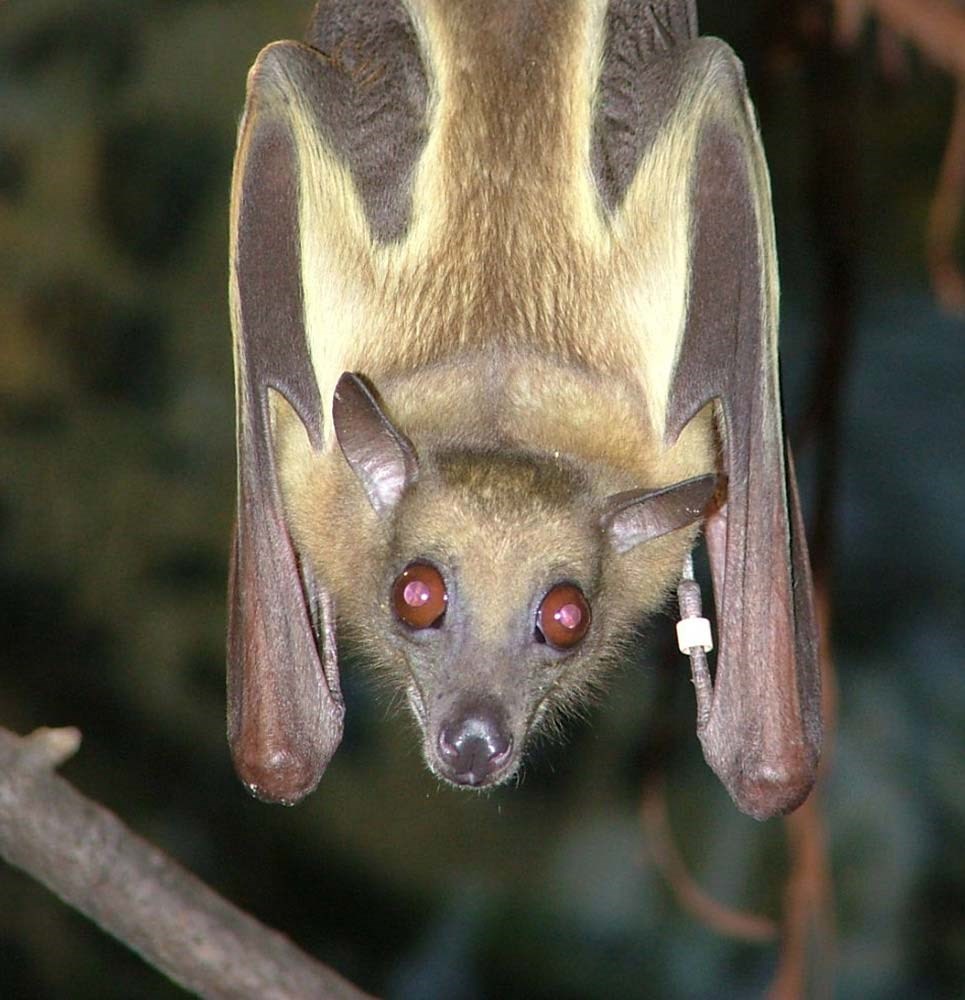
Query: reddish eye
point(419, 595)
point(563, 617)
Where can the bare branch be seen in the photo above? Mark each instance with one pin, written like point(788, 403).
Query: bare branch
point(690, 896)
point(945, 216)
point(85, 855)
point(806, 962)
point(936, 27)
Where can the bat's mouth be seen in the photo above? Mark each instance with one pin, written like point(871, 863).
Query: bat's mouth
point(477, 777)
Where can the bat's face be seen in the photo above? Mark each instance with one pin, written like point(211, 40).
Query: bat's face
point(492, 604)
point(493, 582)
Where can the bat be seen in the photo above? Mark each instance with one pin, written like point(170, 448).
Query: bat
point(504, 301)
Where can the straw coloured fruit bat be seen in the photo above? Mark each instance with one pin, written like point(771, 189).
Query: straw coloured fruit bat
point(504, 301)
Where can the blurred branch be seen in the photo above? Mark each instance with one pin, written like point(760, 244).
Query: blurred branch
point(806, 963)
point(937, 29)
point(690, 897)
point(945, 215)
point(805, 967)
point(84, 854)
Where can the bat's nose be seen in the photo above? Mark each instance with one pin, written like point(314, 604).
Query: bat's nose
point(474, 746)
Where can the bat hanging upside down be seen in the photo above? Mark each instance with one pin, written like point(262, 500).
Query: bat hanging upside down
point(504, 300)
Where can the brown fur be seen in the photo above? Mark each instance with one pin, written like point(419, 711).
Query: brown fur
point(528, 321)
point(495, 334)
point(512, 505)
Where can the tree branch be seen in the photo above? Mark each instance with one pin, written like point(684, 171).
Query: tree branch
point(691, 898)
point(84, 854)
point(945, 215)
point(936, 27)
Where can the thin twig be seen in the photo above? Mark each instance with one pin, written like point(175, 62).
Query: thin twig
point(84, 854)
point(937, 29)
point(945, 215)
point(806, 962)
point(690, 896)
point(806, 959)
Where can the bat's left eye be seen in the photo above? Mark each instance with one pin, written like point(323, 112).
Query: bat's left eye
point(563, 617)
point(419, 595)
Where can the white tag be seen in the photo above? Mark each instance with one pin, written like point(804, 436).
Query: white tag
point(694, 633)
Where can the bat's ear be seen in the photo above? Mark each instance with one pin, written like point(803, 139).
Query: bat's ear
point(284, 705)
point(763, 730)
point(379, 453)
point(639, 515)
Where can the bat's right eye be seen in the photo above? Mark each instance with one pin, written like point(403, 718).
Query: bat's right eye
point(563, 617)
point(419, 595)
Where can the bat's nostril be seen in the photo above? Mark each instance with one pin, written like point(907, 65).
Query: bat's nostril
point(474, 747)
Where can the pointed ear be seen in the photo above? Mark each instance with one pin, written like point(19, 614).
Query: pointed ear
point(379, 453)
point(639, 515)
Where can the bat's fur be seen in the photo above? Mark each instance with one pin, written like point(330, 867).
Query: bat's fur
point(508, 507)
point(496, 332)
point(541, 233)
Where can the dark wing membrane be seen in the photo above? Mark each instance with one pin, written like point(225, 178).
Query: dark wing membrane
point(658, 81)
point(639, 86)
point(359, 93)
point(285, 710)
point(764, 731)
point(377, 120)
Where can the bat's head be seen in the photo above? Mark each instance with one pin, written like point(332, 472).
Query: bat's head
point(492, 601)
point(494, 583)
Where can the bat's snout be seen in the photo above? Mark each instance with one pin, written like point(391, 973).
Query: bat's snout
point(475, 748)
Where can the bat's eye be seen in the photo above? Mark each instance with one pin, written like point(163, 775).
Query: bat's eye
point(419, 595)
point(563, 617)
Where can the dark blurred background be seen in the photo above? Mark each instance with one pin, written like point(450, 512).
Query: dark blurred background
point(116, 492)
